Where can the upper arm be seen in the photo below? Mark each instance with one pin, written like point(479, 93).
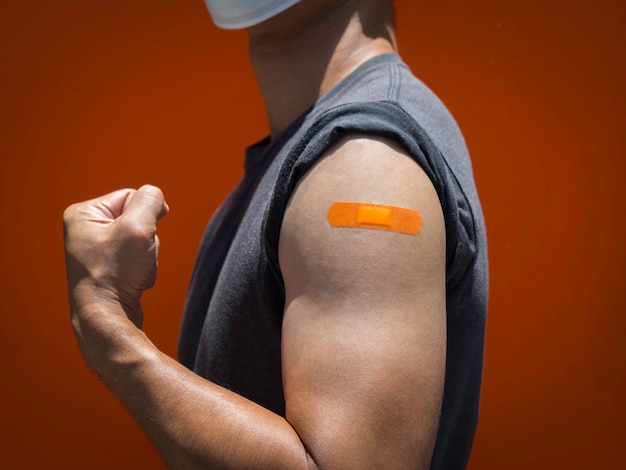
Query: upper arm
point(364, 324)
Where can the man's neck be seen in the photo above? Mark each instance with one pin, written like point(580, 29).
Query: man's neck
point(301, 54)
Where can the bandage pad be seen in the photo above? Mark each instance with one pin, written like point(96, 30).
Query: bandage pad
point(374, 216)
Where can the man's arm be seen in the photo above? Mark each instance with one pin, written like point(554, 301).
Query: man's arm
point(363, 331)
point(111, 251)
point(364, 324)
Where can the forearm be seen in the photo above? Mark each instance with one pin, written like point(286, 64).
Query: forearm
point(192, 422)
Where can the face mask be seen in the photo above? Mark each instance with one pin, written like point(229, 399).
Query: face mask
point(237, 14)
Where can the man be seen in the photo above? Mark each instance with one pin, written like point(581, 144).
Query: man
point(335, 318)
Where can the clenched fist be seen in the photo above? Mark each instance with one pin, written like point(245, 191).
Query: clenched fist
point(111, 248)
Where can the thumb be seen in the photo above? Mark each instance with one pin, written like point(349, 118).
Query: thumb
point(146, 206)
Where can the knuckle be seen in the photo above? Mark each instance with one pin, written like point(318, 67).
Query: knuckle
point(70, 212)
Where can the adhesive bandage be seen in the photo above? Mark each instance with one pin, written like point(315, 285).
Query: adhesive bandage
point(374, 216)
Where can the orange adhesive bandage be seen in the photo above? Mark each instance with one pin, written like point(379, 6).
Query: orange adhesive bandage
point(376, 216)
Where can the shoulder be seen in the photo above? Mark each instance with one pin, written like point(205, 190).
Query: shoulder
point(319, 258)
point(371, 171)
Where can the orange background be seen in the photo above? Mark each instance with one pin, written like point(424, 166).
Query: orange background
point(100, 94)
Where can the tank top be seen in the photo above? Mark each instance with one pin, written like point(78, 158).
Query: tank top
point(231, 328)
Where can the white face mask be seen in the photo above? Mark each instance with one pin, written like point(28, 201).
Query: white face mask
point(237, 14)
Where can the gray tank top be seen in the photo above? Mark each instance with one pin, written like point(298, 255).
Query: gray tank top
point(231, 329)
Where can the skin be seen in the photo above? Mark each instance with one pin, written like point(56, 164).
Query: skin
point(363, 340)
point(302, 53)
